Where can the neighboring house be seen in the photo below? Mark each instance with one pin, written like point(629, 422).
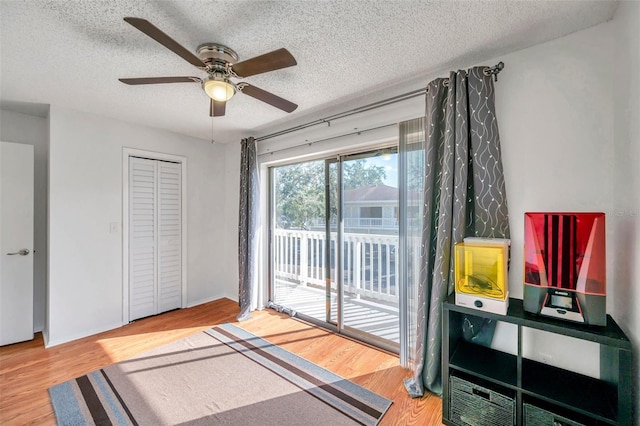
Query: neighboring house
point(373, 209)
point(376, 207)
point(372, 206)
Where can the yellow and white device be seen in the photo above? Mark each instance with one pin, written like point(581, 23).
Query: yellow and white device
point(481, 274)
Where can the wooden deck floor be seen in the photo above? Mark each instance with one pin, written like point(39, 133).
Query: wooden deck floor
point(377, 319)
point(27, 369)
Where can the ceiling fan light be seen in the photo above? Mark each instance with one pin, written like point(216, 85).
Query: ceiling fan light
point(219, 89)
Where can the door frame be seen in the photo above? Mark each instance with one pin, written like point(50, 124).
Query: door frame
point(339, 265)
point(160, 156)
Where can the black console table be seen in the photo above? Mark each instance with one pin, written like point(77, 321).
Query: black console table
point(483, 386)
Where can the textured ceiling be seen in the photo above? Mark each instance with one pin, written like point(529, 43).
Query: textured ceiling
point(71, 53)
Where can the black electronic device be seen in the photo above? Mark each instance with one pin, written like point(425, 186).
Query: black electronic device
point(562, 304)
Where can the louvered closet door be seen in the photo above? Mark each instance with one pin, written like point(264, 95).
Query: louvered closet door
point(170, 236)
point(155, 237)
point(142, 238)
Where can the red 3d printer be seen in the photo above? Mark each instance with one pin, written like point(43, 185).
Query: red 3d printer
point(565, 266)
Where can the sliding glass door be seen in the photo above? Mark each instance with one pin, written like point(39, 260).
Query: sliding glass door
point(334, 241)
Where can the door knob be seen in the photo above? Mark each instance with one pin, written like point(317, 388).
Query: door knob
point(22, 252)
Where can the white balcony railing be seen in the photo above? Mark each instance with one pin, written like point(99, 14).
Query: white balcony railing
point(362, 222)
point(370, 264)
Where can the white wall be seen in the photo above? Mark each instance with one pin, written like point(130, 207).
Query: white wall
point(626, 177)
point(85, 196)
point(231, 209)
point(555, 113)
point(32, 130)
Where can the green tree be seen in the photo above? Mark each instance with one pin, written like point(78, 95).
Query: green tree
point(300, 195)
point(357, 174)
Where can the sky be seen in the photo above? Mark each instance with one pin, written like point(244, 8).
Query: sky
point(390, 164)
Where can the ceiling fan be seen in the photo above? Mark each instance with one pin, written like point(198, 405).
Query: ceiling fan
point(221, 64)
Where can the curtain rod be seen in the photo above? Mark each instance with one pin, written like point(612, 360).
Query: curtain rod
point(357, 132)
point(329, 119)
point(494, 71)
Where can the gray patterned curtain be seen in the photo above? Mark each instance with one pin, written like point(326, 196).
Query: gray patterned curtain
point(464, 195)
point(247, 227)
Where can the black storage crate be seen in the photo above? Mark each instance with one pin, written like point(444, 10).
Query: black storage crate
point(476, 405)
point(536, 416)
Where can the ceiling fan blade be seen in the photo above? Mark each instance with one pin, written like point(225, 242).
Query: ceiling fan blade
point(160, 80)
point(267, 97)
point(271, 61)
point(155, 33)
point(217, 109)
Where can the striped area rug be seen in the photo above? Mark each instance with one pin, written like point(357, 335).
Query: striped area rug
point(224, 375)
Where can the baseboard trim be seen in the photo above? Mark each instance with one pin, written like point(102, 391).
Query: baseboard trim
point(45, 337)
point(49, 343)
point(211, 299)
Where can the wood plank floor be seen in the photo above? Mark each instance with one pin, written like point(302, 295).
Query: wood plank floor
point(27, 370)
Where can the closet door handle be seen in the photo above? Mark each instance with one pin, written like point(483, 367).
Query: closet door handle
point(22, 252)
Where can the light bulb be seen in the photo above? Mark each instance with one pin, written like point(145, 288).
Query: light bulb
point(219, 90)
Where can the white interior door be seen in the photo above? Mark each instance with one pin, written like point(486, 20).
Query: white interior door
point(16, 242)
point(155, 237)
